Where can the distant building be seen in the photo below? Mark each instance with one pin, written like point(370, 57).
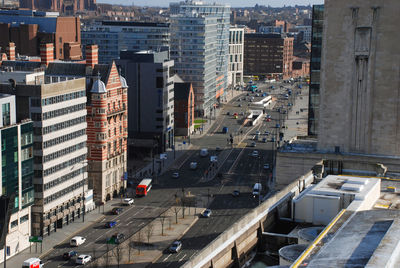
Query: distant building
point(268, 55)
point(184, 109)
point(16, 139)
point(200, 49)
point(300, 67)
point(236, 46)
point(306, 32)
point(265, 29)
point(315, 69)
point(28, 29)
point(115, 36)
point(149, 76)
point(64, 6)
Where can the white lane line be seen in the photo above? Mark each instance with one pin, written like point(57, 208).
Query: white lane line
point(167, 257)
point(182, 257)
point(129, 223)
point(87, 244)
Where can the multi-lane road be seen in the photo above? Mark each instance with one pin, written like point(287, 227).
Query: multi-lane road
point(236, 169)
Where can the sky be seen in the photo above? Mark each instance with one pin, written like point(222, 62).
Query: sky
point(233, 3)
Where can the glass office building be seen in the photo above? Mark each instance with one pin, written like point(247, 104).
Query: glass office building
point(200, 49)
point(315, 68)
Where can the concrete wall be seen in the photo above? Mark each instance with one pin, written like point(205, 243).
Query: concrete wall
point(359, 103)
point(244, 234)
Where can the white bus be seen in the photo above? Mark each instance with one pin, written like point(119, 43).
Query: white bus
point(144, 187)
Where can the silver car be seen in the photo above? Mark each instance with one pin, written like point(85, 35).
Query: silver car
point(175, 247)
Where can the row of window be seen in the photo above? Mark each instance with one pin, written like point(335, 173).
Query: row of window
point(63, 165)
point(59, 112)
point(55, 155)
point(59, 126)
point(36, 102)
point(26, 138)
point(21, 220)
point(63, 179)
point(64, 138)
point(63, 192)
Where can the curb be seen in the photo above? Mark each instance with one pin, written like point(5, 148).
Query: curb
point(72, 235)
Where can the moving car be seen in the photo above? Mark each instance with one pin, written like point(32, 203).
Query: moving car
point(83, 259)
point(117, 238)
point(175, 175)
point(203, 152)
point(110, 224)
point(256, 189)
point(68, 255)
point(253, 144)
point(128, 201)
point(193, 165)
point(213, 158)
point(206, 213)
point(76, 241)
point(175, 247)
point(236, 193)
point(254, 153)
point(117, 211)
point(266, 166)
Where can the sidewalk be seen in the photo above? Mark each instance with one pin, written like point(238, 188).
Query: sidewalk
point(62, 234)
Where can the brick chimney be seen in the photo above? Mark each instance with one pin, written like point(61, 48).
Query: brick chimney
point(47, 53)
point(11, 51)
point(92, 55)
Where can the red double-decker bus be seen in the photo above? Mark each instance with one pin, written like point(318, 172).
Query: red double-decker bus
point(144, 187)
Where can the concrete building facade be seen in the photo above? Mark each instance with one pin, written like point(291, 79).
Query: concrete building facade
point(66, 7)
point(149, 76)
point(16, 138)
point(200, 49)
point(236, 49)
point(359, 78)
point(115, 36)
point(58, 111)
point(268, 55)
point(28, 29)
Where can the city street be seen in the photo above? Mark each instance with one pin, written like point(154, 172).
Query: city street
point(211, 185)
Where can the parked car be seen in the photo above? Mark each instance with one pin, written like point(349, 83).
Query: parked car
point(110, 224)
point(213, 158)
point(83, 259)
point(258, 132)
point(236, 193)
point(76, 241)
point(175, 175)
point(266, 166)
point(128, 201)
point(175, 247)
point(117, 211)
point(193, 165)
point(253, 144)
point(266, 133)
point(218, 149)
point(68, 255)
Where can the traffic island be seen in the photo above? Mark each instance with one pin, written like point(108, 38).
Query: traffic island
point(149, 243)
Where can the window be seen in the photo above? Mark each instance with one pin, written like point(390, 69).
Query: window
point(14, 224)
point(6, 113)
point(24, 219)
point(26, 154)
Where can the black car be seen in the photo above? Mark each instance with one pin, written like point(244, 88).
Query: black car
point(68, 255)
point(117, 238)
point(117, 211)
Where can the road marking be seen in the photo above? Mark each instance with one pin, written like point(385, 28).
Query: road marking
point(182, 257)
point(167, 257)
point(129, 223)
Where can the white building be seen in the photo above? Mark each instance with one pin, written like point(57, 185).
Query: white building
point(236, 45)
point(58, 111)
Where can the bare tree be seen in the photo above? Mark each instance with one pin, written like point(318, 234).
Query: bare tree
point(106, 256)
point(130, 244)
point(183, 207)
point(162, 219)
point(139, 240)
point(149, 232)
point(94, 261)
point(118, 253)
point(176, 211)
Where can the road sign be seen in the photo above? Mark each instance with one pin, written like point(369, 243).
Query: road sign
point(36, 239)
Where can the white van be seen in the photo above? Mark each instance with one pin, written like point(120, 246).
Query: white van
point(76, 241)
point(33, 263)
point(193, 165)
point(203, 152)
point(257, 189)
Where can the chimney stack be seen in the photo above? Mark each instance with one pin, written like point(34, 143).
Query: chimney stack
point(92, 55)
point(47, 53)
point(11, 51)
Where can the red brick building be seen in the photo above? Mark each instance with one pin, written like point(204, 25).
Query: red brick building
point(107, 122)
point(63, 6)
point(268, 55)
point(301, 67)
point(27, 29)
point(184, 109)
